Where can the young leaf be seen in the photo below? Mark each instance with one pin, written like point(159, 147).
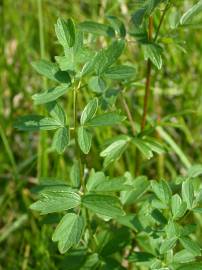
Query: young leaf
point(61, 139)
point(143, 147)
point(118, 25)
point(57, 112)
point(108, 185)
point(139, 187)
point(167, 245)
point(153, 52)
point(154, 145)
point(191, 246)
point(114, 151)
point(51, 94)
point(107, 119)
point(65, 31)
point(162, 191)
point(103, 204)
point(194, 171)
point(51, 71)
point(111, 185)
point(56, 202)
point(96, 28)
point(121, 72)
point(96, 84)
point(191, 13)
point(68, 232)
point(178, 207)
point(106, 57)
point(183, 256)
point(75, 174)
point(89, 111)
point(36, 122)
point(84, 139)
point(94, 179)
point(188, 193)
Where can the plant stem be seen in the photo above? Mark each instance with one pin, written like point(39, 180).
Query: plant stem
point(146, 96)
point(148, 79)
point(128, 112)
point(42, 154)
point(78, 153)
point(161, 21)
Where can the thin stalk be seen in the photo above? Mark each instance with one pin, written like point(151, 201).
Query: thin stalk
point(161, 21)
point(146, 96)
point(129, 114)
point(78, 152)
point(148, 79)
point(42, 154)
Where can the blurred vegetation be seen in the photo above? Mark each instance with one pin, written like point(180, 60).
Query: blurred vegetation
point(24, 242)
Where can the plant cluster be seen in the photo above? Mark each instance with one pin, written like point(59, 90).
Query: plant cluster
point(114, 222)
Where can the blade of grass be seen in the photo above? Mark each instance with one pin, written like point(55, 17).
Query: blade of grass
point(42, 153)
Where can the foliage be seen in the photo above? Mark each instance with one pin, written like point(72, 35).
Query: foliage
point(109, 211)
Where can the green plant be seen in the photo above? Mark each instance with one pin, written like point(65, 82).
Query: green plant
point(110, 221)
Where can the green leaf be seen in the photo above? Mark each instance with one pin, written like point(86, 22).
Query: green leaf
point(143, 147)
point(75, 176)
point(178, 207)
point(139, 186)
point(191, 266)
point(36, 122)
point(56, 112)
point(167, 245)
point(103, 204)
point(68, 232)
point(140, 257)
point(96, 28)
point(61, 139)
point(107, 119)
point(162, 191)
point(94, 179)
point(153, 52)
point(110, 185)
point(138, 16)
point(194, 171)
point(114, 151)
point(96, 84)
point(56, 202)
point(106, 57)
point(188, 193)
point(154, 145)
point(118, 25)
point(51, 94)
point(89, 111)
point(191, 246)
point(146, 9)
point(65, 31)
point(183, 256)
point(51, 71)
point(191, 13)
point(84, 139)
point(121, 72)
